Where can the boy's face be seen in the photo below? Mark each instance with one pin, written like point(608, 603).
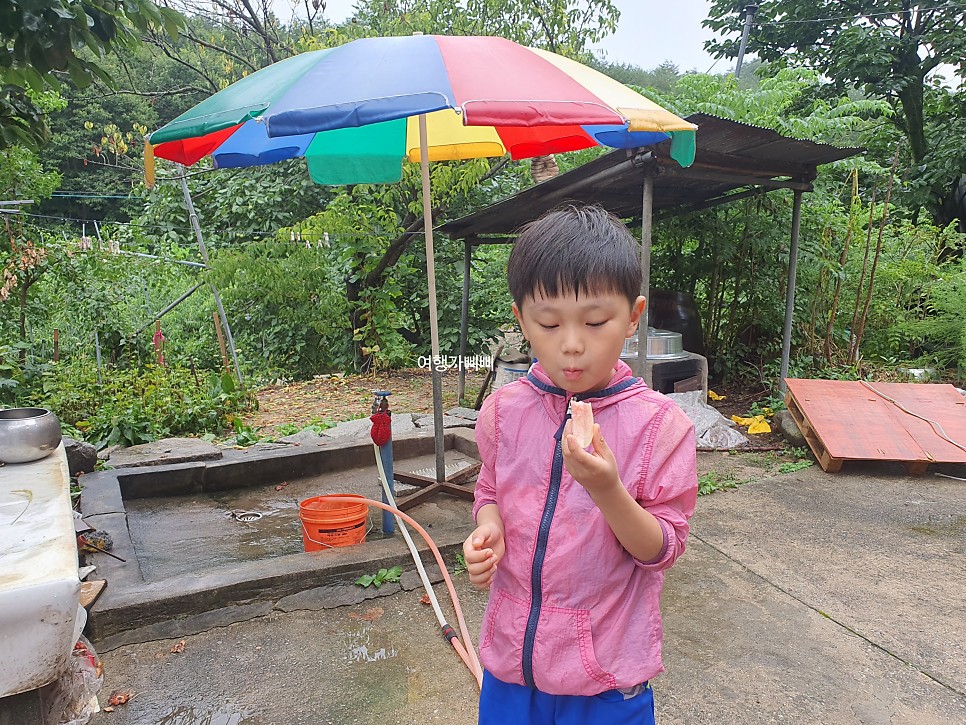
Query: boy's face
point(578, 340)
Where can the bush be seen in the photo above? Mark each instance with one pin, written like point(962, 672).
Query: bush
point(135, 406)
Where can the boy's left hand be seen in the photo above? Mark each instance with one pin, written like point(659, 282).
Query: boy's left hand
point(596, 471)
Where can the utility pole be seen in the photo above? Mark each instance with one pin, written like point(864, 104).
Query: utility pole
point(749, 15)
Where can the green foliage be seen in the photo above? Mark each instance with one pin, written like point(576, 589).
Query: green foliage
point(663, 78)
point(886, 51)
point(22, 175)
point(245, 435)
point(135, 406)
point(380, 577)
point(12, 378)
point(792, 466)
point(287, 429)
point(562, 26)
point(712, 481)
point(941, 329)
point(768, 406)
point(43, 39)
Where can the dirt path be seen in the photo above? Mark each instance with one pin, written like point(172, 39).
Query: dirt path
point(338, 397)
point(334, 398)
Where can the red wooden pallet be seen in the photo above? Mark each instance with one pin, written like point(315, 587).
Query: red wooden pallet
point(844, 420)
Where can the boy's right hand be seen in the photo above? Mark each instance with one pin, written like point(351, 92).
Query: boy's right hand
point(483, 550)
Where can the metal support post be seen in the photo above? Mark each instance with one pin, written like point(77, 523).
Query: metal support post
point(647, 222)
point(790, 290)
point(193, 216)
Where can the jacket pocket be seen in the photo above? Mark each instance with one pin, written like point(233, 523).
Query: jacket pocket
point(501, 637)
point(564, 661)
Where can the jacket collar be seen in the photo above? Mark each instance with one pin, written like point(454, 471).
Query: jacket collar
point(620, 381)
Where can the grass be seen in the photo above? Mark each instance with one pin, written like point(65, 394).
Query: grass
point(713, 481)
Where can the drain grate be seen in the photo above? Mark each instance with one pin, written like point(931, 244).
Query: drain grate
point(245, 516)
point(450, 469)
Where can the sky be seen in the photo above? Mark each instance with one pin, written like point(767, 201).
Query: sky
point(646, 36)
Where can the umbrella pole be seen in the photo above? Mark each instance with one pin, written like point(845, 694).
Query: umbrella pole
point(433, 315)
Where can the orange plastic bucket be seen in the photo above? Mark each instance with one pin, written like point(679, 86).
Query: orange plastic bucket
point(328, 523)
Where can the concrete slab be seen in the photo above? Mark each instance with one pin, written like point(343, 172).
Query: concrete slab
point(424, 422)
point(165, 451)
point(776, 613)
point(189, 549)
point(880, 553)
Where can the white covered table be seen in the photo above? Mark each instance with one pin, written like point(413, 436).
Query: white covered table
point(40, 613)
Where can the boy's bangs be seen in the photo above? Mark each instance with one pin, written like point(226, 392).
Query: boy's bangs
point(571, 282)
point(575, 251)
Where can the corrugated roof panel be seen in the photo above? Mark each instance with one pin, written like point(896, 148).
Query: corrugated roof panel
point(734, 155)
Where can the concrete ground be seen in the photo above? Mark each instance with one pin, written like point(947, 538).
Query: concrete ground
point(804, 597)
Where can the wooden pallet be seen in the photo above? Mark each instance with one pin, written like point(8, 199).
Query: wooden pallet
point(846, 420)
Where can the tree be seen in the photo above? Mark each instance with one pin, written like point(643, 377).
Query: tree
point(888, 49)
point(43, 41)
point(562, 26)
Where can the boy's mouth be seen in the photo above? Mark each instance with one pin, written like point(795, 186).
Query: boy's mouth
point(572, 373)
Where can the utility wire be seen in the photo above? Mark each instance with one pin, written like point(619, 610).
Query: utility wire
point(305, 235)
point(857, 16)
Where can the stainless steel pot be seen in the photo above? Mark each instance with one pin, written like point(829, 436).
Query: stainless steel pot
point(661, 345)
point(28, 434)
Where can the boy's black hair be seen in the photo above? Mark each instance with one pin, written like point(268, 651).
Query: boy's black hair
point(575, 250)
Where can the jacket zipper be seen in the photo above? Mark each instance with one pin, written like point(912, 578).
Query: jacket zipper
point(539, 554)
point(546, 519)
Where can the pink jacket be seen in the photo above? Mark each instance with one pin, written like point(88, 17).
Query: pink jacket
point(571, 612)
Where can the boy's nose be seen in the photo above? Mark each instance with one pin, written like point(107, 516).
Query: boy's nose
point(573, 343)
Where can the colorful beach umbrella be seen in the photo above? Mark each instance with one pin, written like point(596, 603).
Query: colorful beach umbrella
point(351, 111)
point(357, 111)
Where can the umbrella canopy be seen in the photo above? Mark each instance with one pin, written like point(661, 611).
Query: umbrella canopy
point(355, 112)
point(352, 111)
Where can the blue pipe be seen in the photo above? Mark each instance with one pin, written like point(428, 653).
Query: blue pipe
point(380, 404)
point(388, 519)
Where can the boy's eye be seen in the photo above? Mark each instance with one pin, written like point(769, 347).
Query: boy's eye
point(548, 327)
point(596, 324)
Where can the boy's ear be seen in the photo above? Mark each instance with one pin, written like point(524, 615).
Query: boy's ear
point(637, 311)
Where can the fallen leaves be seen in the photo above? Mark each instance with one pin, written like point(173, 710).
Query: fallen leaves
point(343, 397)
point(281, 486)
point(178, 648)
point(425, 600)
point(118, 698)
point(370, 615)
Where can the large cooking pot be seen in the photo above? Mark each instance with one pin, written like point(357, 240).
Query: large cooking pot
point(27, 434)
point(661, 345)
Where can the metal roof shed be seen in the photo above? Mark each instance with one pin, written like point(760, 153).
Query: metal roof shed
point(733, 161)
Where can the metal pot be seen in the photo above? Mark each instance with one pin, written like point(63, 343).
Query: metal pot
point(661, 345)
point(28, 434)
point(664, 344)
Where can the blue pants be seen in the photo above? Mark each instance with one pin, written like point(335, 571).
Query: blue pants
point(504, 704)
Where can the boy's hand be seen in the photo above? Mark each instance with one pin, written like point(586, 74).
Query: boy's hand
point(483, 550)
point(596, 471)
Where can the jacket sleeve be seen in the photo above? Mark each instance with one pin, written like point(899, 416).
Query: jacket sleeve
point(668, 488)
point(486, 433)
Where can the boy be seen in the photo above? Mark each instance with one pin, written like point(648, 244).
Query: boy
point(572, 543)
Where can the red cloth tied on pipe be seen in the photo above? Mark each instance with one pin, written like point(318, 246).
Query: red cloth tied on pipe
point(381, 428)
